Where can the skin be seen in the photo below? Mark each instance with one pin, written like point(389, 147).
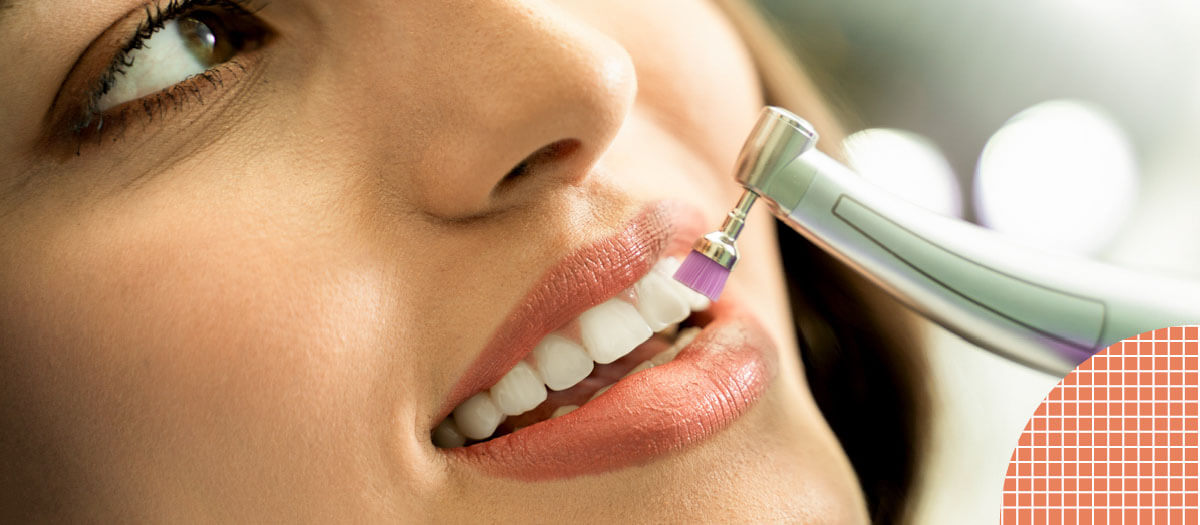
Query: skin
point(251, 309)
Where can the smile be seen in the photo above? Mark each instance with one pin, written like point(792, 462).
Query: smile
point(637, 330)
point(608, 363)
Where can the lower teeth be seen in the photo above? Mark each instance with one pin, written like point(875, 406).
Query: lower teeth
point(599, 392)
point(563, 410)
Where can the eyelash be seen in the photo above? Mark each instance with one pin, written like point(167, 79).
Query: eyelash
point(93, 122)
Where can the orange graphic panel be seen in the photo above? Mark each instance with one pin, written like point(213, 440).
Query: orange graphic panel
point(1116, 440)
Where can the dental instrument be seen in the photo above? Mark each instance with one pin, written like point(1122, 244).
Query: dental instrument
point(1045, 310)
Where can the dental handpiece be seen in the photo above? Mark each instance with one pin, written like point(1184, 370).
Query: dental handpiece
point(1045, 310)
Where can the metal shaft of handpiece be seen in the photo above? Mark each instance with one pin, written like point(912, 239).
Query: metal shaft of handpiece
point(736, 219)
point(721, 245)
point(1046, 310)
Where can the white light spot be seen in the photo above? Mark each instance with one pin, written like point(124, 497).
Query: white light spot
point(1060, 175)
point(908, 165)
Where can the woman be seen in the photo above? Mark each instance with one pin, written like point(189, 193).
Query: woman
point(262, 256)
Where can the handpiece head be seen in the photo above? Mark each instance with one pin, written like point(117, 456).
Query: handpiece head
point(776, 140)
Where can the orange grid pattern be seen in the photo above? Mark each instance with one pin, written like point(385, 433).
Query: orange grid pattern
point(1115, 441)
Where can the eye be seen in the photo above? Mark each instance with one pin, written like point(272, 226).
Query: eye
point(181, 52)
point(181, 48)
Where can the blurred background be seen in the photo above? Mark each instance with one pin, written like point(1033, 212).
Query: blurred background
point(1068, 124)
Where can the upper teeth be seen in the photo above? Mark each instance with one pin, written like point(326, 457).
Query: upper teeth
point(658, 303)
point(519, 391)
point(697, 301)
point(562, 363)
point(613, 329)
point(609, 331)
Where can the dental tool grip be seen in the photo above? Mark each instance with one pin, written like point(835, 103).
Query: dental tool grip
point(1047, 310)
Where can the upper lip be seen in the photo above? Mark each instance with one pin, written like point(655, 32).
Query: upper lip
point(584, 278)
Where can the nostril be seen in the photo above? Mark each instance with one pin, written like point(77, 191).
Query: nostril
point(540, 161)
point(516, 172)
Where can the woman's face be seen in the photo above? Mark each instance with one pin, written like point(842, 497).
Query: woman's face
point(258, 293)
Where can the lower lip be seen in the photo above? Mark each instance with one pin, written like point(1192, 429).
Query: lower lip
point(705, 388)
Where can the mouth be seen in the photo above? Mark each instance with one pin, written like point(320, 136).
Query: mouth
point(644, 326)
point(647, 367)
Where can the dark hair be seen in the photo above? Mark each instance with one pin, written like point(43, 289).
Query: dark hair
point(865, 370)
point(864, 366)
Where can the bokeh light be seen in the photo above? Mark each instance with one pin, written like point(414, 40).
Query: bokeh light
point(1062, 175)
point(908, 165)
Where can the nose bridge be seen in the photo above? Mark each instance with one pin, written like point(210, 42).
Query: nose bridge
point(503, 82)
point(516, 53)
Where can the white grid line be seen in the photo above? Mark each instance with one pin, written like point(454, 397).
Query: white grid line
point(1147, 437)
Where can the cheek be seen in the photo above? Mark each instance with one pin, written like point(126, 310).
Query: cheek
point(178, 334)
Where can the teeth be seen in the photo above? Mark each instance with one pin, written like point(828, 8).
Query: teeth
point(561, 362)
point(670, 331)
point(478, 416)
point(660, 303)
point(646, 365)
point(612, 329)
point(663, 357)
point(519, 391)
point(696, 300)
point(446, 435)
point(608, 331)
point(686, 336)
point(563, 410)
point(598, 392)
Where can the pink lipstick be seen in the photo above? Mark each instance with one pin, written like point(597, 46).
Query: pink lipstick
point(714, 379)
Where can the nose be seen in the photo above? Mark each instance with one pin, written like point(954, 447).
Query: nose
point(514, 100)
